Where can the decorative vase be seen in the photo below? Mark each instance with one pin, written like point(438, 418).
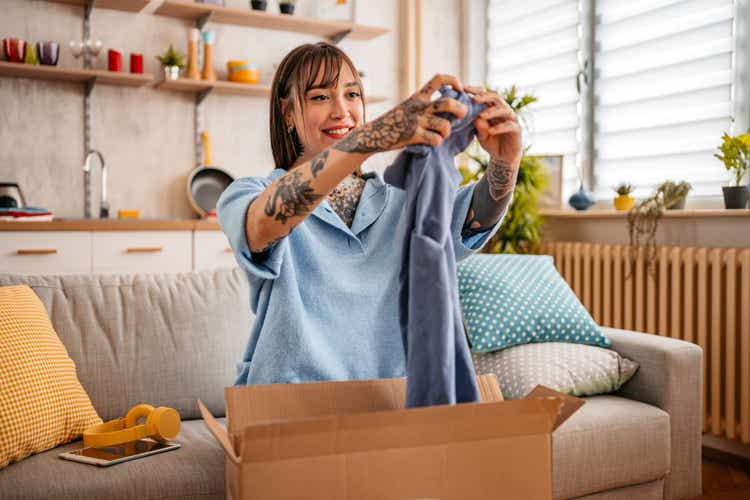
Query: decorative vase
point(171, 72)
point(258, 4)
point(581, 200)
point(193, 71)
point(735, 196)
point(624, 202)
point(209, 37)
point(286, 8)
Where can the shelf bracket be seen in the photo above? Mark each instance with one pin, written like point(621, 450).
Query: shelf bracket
point(339, 36)
point(202, 95)
point(88, 8)
point(201, 21)
point(90, 83)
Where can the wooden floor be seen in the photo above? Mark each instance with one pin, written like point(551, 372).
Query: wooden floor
point(723, 480)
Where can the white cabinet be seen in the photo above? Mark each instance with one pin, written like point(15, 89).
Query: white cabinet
point(145, 251)
point(211, 250)
point(45, 252)
point(141, 251)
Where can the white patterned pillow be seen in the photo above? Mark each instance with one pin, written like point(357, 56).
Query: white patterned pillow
point(576, 369)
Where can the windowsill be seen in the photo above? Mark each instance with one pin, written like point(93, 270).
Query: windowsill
point(551, 213)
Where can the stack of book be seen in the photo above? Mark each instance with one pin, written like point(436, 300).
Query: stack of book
point(25, 214)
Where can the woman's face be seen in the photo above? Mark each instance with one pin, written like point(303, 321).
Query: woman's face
point(329, 114)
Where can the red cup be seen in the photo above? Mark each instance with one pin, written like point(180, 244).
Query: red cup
point(15, 49)
point(136, 63)
point(115, 60)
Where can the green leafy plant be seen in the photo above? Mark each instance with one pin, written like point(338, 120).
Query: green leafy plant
point(172, 58)
point(735, 154)
point(520, 231)
point(624, 189)
point(643, 220)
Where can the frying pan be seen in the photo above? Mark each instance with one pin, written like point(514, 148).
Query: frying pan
point(205, 184)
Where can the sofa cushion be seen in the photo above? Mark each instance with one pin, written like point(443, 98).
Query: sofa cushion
point(577, 369)
point(509, 300)
point(194, 471)
point(161, 339)
point(42, 403)
point(610, 442)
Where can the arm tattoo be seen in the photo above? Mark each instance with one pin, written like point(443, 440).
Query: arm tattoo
point(293, 195)
point(318, 163)
point(387, 131)
point(491, 196)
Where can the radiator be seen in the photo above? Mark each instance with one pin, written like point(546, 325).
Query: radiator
point(700, 295)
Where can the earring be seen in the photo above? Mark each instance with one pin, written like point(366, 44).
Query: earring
point(289, 128)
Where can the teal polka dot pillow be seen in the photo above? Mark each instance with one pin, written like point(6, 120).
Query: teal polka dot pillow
point(510, 300)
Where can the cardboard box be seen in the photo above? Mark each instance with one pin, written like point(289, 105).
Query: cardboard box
point(354, 440)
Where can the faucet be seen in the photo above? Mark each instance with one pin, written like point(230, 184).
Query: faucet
point(104, 205)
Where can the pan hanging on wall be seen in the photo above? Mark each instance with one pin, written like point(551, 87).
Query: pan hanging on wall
point(206, 183)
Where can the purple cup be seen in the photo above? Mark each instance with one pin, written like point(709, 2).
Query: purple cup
point(48, 52)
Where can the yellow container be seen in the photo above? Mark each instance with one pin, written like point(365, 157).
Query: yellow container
point(624, 202)
point(243, 72)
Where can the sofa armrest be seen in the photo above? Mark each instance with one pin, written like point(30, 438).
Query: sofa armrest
point(669, 377)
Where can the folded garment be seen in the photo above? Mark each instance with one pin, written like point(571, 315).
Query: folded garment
point(438, 362)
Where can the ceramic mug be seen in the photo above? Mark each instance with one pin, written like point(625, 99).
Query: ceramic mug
point(114, 60)
point(15, 49)
point(48, 52)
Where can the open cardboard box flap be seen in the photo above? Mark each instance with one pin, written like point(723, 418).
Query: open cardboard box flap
point(282, 421)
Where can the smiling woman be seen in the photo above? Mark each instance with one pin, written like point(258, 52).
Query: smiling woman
point(318, 239)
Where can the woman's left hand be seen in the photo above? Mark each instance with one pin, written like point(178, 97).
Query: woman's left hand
point(497, 126)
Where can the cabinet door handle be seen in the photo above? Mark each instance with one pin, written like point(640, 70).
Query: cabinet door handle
point(228, 250)
point(36, 251)
point(144, 249)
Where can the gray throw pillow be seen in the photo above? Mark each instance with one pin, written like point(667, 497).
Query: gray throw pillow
point(576, 369)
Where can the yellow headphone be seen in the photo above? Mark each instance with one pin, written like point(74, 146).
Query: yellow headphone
point(162, 424)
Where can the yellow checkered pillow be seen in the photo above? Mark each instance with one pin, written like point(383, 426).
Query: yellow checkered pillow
point(42, 403)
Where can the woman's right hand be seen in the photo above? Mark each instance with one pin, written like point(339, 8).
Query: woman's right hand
point(414, 121)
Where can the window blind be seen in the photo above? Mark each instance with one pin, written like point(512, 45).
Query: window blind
point(663, 93)
point(534, 45)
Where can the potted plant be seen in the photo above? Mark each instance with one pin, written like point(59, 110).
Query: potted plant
point(172, 62)
point(624, 201)
point(643, 219)
point(258, 4)
point(674, 194)
point(521, 228)
point(287, 6)
point(735, 153)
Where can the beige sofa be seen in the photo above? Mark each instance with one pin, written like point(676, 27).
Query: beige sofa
point(172, 339)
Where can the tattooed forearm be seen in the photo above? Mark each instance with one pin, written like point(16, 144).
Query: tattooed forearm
point(293, 196)
point(491, 196)
point(384, 133)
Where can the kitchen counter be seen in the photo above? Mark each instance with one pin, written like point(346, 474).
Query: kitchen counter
point(112, 225)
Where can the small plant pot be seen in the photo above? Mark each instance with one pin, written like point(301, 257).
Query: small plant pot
point(679, 205)
point(624, 202)
point(736, 196)
point(171, 72)
point(258, 4)
point(286, 8)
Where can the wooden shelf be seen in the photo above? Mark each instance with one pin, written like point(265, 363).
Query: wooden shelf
point(613, 214)
point(224, 87)
point(219, 86)
point(124, 5)
point(185, 9)
point(40, 72)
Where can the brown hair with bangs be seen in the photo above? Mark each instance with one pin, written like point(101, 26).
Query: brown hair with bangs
point(298, 73)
